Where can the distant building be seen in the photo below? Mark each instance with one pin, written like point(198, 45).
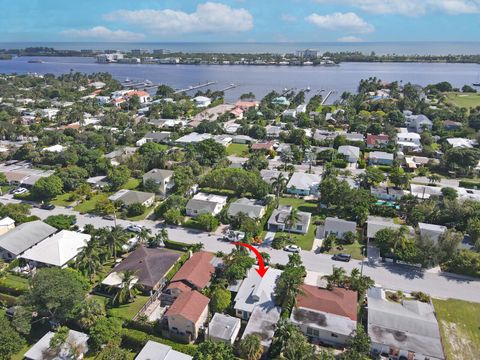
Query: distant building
point(163, 178)
point(351, 153)
point(203, 203)
point(156, 351)
point(129, 197)
point(377, 141)
point(254, 209)
point(202, 101)
point(380, 158)
point(417, 123)
point(303, 184)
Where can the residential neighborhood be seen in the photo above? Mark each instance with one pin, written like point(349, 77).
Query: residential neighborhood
point(184, 226)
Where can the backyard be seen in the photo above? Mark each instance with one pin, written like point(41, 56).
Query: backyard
point(240, 150)
point(459, 326)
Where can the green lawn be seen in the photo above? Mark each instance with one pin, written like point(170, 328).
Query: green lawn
point(62, 200)
point(14, 282)
point(460, 328)
point(299, 203)
point(132, 184)
point(304, 241)
point(354, 249)
point(240, 150)
point(128, 311)
point(464, 100)
point(89, 205)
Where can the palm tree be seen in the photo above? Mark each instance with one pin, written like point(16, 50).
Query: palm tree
point(337, 278)
point(144, 235)
point(126, 292)
point(88, 261)
point(278, 185)
point(434, 178)
point(291, 220)
point(196, 247)
point(115, 238)
point(159, 239)
point(251, 347)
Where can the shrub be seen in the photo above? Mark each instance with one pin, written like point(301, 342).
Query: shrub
point(8, 300)
point(421, 296)
point(339, 163)
point(470, 184)
point(175, 245)
point(136, 209)
point(207, 222)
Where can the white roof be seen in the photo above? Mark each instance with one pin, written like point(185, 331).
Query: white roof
point(37, 351)
point(304, 181)
point(6, 221)
point(58, 249)
point(55, 148)
point(201, 99)
point(349, 150)
point(461, 142)
point(156, 351)
point(408, 135)
point(193, 137)
point(116, 279)
point(256, 290)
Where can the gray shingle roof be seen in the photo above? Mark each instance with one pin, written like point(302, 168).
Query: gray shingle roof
point(253, 208)
point(158, 174)
point(25, 236)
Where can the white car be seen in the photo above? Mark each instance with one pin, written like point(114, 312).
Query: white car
point(292, 248)
point(134, 228)
point(19, 191)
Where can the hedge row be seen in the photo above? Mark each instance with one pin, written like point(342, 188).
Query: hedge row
point(469, 184)
point(136, 340)
point(175, 245)
point(11, 291)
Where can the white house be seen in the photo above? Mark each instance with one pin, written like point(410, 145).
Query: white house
point(203, 203)
point(338, 227)
point(202, 101)
point(223, 328)
point(255, 302)
point(351, 153)
point(163, 178)
point(409, 140)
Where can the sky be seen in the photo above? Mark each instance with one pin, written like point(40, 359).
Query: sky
point(239, 20)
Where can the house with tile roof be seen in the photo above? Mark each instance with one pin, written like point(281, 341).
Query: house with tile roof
point(326, 316)
point(187, 315)
point(377, 141)
point(150, 267)
point(197, 271)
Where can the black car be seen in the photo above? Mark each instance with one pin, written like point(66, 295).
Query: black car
point(342, 257)
point(47, 207)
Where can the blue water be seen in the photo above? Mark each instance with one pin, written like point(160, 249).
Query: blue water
point(258, 79)
point(403, 48)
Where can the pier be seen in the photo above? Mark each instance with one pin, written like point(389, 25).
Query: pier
point(194, 87)
point(327, 96)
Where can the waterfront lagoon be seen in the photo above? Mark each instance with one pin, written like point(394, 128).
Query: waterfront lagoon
point(258, 79)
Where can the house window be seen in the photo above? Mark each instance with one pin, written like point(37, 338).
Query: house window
point(299, 227)
point(334, 335)
point(313, 332)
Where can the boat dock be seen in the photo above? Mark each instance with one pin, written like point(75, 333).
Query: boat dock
point(194, 87)
point(229, 87)
point(327, 96)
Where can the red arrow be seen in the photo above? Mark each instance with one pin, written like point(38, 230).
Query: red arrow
point(261, 265)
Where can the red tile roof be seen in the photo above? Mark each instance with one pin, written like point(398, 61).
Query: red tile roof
point(373, 139)
point(338, 301)
point(190, 305)
point(197, 270)
point(246, 104)
point(263, 145)
point(139, 93)
point(180, 286)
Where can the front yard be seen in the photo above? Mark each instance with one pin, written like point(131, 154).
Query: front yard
point(354, 249)
point(88, 206)
point(459, 326)
point(304, 241)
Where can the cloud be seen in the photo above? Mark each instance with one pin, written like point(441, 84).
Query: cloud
point(411, 7)
point(288, 18)
point(349, 39)
point(208, 18)
point(103, 33)
point(345, 22)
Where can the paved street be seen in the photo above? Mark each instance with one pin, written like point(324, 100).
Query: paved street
point(393, 276)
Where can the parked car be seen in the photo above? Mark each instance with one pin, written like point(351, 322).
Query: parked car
point(19, 191)
point(109, 217)
point(292, 248)
point(342, 257)
point(232, 235)
point(134, 228)
point(47, 206)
